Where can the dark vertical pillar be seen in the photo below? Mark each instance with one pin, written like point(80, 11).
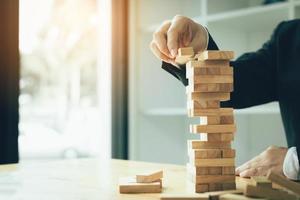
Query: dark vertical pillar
point(9, 80)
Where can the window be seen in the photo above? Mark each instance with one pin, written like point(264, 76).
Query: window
point(65, 78)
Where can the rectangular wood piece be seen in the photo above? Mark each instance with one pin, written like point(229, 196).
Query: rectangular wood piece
point(207, 63)
point(209, 112)
point(216, 55)
point(213, 162)
point(198, 71)
point(209, 87)
point(218, 128)
point(204, 179)
point(211, 79)
point(129, 185)
point(196, 144)
point(216, 137)
point(284, 182)
point(149, 177)
point(202, 104)
point(208, 96)
point(261, 181)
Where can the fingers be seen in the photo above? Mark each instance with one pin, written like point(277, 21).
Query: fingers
point(156, 51)
point(172, 42)
point(160, 38)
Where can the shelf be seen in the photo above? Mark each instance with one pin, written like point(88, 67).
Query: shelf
point(271, 108)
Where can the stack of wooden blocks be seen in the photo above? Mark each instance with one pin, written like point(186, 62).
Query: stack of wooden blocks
point(211, 160)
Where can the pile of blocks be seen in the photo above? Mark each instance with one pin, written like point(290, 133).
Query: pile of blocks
point(210, 80)
point(142, 183)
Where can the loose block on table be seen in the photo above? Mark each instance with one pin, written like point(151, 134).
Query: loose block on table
point(149, 177)
point(129, 185)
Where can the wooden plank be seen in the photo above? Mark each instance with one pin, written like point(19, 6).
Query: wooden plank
point(184, 197)
point(196, 144)
point(216, 195)
point(210, 112)
point(184, 55)
point(228, 170)
point(269, 193)
point(201, 188)
point(129, 185)
point(211, 79)
point(216, 55)
point(214, 120)
point(221, 96)
point(227, 119)
point(236, 197)
point(198, 71)
point(228, 153)
point(229, 186)
point(209, 87)
point(207, 63)
point(205, 153)
point(213, 162)
point(202, 104)
point(261, 181)
point(204, 179)
point(284, 182)
point(197, 171)
point(216, 137)
point(149, 177)
point(217, 128)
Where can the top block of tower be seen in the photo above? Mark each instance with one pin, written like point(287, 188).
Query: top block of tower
point(216, 55)
point(184, 55)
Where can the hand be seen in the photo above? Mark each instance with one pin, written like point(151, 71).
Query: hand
point(270, 159)
point(180, 32)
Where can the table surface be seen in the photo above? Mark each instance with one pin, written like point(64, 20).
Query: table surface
point(86, 179)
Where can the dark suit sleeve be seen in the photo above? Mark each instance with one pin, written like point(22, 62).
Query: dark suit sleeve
point(255, 80)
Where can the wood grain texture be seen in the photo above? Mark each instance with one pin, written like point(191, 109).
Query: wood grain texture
point(184, 55)
point(210, 79)
point(202, 104)
point(228, 153)
point(216, 137)
point(204, 170)
point(149, 177)
point(208, 96)
point(210, 112)
point(269, 193)
point(207, 63)
point(284, 182)
point(129, 185)
point(196, 144)
point(217, 128)
point(198, 71)
point(216, 55)
point(261, 181)
point(205, 153)
point(213, 162)
point(204, 179)
point(228, 170)
point(209, 87)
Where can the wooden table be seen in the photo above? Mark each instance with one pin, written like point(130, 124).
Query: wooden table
point(85, 179)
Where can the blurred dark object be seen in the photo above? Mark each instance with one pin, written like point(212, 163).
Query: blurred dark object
point(266, 2)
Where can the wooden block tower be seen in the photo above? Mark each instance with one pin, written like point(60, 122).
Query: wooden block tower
point(211, 163)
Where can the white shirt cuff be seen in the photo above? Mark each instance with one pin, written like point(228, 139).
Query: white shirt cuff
point(291, 164)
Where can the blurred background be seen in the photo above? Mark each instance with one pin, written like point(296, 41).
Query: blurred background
point(87, 84)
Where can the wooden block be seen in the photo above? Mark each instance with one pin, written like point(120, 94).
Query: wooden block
point(205, 153)
point(269, 193)
point(129, 185)
point(213, 162)
point(184, 55)
point(207, 63)
point(210, 112)
point(210, 79)
point(284, 182)
point(261, 181)
point(205, 179)
point(149, 177)
point(198, 171)
point(201, 188)
point(196, 144)
point(198, 71)
point(216, 55)
point(218, 128)
point(202, 104)
point(208, 96)
point(226, 119)
point(184, 197)
point(229, 186)
point(215, 187)
point(228, 170)
point(236, 197)
point(216, 137)
point(228, 153)
point(186, 51)
point(209, 87)
point(216, 195)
